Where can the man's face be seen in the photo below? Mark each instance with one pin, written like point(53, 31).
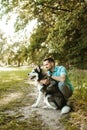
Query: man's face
point(48, 65)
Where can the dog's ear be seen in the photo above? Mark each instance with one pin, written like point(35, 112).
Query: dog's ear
point(38, 68)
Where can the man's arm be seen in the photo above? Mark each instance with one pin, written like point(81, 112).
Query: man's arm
point(61, 78)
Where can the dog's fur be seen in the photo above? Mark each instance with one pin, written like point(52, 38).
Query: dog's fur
point(52, 96)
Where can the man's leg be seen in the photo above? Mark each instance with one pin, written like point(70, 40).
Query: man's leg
point(65, 90)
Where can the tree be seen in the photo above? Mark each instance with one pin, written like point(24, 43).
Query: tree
point(67, 29)
point(61, 30)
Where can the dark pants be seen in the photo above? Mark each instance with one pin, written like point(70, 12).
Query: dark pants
point(65, 90)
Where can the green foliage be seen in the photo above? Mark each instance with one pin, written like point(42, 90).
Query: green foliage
point(67, 38)
point(36, 46)
point(62, 27)
point(79, 81)
point(77, 119)
point(67, 25)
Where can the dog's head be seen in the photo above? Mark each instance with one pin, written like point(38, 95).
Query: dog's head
point(36, 74)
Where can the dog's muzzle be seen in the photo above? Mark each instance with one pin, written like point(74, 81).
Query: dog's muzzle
point(32, 76)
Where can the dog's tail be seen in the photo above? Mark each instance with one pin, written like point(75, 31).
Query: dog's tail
point(65, 109)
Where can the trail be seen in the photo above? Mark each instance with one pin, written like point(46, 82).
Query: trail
point(50, 118)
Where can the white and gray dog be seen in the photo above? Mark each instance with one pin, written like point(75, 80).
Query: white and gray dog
point(52, 96)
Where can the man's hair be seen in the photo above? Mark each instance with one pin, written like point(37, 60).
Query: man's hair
point(49, 60)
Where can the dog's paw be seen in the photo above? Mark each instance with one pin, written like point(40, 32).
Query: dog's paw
point(45, 107)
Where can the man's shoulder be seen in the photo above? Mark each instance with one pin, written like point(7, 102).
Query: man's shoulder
point(61, 70)
point(59, 67)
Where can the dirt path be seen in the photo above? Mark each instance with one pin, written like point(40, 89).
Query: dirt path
point(10, 97)
point(15, 112)
point(50, 117)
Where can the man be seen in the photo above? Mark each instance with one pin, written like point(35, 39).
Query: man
point(58, 73)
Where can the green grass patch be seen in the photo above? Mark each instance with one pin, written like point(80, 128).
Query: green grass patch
point(12, 82)
point(15, 82)
point(77, 119)
point(14, 95)
point(12, 123)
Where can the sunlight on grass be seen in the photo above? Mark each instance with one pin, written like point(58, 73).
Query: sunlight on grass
point(13, 80)
point(78, 118)
point(9, 98)
point(15, 93)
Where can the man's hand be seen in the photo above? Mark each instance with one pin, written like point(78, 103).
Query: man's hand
point(45, 81)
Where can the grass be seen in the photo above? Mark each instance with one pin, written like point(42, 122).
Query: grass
point(14, 94)
point(12, 123)
point(13, 82)
point(79, 81)
point(77, 120)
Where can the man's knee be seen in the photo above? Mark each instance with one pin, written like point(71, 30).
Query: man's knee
point(65, 90)
point(61, 85)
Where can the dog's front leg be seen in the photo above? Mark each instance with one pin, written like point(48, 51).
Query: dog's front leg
point(50, 104)
point(38, 99)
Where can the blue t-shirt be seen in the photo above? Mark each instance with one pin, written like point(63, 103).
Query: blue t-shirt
point(59, 71)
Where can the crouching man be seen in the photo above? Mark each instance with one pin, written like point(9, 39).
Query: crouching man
point(58, 73)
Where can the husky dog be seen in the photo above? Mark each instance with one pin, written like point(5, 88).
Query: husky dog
point(52, 96)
